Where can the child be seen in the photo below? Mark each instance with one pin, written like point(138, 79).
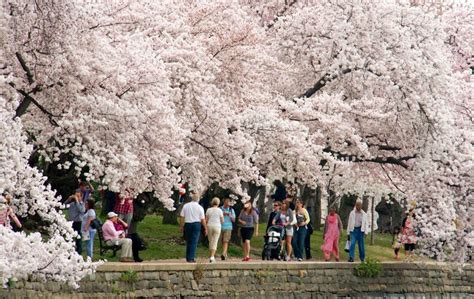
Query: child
point(396, 242)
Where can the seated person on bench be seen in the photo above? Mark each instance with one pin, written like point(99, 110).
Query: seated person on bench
point(114, 237)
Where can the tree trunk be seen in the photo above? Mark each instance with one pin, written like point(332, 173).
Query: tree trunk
point(261, 203)
point(171, 217)
point(372, 238)
point(317, 210)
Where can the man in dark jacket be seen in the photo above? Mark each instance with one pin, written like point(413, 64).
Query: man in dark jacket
point(276, 210)
point(280, 192)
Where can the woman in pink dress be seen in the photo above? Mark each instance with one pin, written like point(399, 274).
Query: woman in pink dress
point(409, 238)
point(332, 230)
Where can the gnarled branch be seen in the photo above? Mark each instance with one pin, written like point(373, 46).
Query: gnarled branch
point(400, 161)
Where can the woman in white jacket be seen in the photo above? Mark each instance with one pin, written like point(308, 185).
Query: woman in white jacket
point(357, 228)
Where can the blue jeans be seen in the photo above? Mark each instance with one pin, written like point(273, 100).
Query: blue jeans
point(299, 237)
point(357, 236)
point(192, 231)
point(90, 243)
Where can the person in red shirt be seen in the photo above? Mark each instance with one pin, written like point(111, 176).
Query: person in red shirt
point(120, 225)
point(124, 207)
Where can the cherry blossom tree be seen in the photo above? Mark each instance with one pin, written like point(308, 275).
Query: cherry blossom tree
point(47, 256)
point(381, 99)
point(356, 97)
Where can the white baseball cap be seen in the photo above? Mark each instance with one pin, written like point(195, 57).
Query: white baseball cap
point(111, 214)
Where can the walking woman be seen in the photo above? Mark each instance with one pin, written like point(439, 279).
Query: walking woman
point(214, 220)
point(248, 220)
point(332, 230)
point(286, 219)
point(301, 229)
point(88, 233)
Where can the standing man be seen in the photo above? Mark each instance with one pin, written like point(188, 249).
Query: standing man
point(227, 226)
point(190, 221)
point(124, 207)
point(76, 212)
point(357, 228)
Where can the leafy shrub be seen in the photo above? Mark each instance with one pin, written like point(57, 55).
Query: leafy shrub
point(129, 276)
point(369, 268)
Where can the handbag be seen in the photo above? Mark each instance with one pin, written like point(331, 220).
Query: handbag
point(310, 229)
point(85, 236)
point(95, 224)
point(348, 246)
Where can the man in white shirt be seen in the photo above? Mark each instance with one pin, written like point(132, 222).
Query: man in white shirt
point(190, 221)
point(357, 228)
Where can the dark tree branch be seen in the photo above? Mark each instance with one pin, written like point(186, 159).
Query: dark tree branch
point(46, 266)
point(231, 45)
point(390, 178)
point(27, 70)
point(113, 24)
point(281, 13)
point(30, 99)
point(120, 95)
point(322, 82)
point(200, 124)
point(384, 147)
point(208, 149)
point(400, 161)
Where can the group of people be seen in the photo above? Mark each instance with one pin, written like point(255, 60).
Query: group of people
point(216, 222)
point(296, 229)
point(294, 224)
point(116, 230)
point(293, 221)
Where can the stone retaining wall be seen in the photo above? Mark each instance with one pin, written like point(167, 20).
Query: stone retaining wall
point(260, 280)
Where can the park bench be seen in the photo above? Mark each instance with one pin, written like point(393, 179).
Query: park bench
point(103, 245)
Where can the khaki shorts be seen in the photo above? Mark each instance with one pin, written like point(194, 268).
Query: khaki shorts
point(226, 234)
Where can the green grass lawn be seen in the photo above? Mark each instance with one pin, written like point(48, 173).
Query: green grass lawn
point(164, 242)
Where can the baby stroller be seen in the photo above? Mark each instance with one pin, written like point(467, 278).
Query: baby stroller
point(272, 247)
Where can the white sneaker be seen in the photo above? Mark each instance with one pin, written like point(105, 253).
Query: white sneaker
point(212, 260)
